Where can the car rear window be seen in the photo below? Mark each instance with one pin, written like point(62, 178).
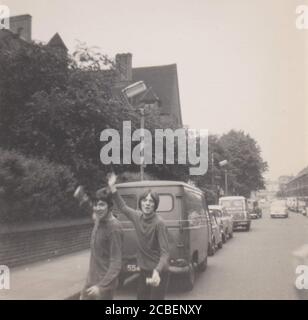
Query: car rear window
point(278, 205)
point(215, 212)
point(232, 203)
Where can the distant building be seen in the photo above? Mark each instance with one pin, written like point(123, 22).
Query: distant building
point(271, 186)
point(298, 186)
point(270, 191)
point(20, 33)
point(282, 182)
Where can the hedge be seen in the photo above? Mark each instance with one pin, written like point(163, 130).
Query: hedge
point(35, 189)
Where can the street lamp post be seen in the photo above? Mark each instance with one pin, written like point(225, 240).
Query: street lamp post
point(222, 164)
point(133, 90)
point(212, 170)
point(226, 182)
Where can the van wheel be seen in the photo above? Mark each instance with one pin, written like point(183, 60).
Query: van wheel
point(121, 281)
point(220, 244)
point(189, 280)
point(203, 265)
point(212, 248)
point(231, 235)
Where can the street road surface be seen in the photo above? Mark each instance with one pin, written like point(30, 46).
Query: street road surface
point(253, 265)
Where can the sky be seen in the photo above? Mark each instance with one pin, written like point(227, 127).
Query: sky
point(242, 64)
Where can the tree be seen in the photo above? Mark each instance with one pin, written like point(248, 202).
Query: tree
point(25, 70)
point(245, 164)
point(68, 103)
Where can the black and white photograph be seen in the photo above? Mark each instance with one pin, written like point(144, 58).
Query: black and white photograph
point(154, 150)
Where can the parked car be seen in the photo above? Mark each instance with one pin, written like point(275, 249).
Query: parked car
point(278, 209)
point(303, 208)
point(183, 208)
point(237, 207)
point(216, 232)
point(224, 219)
point(296, 204)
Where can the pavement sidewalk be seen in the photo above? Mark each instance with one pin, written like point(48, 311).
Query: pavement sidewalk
point(53, 279)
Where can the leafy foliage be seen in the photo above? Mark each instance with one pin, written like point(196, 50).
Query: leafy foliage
point(245, 164)
point(24, 71)
point(35, 189)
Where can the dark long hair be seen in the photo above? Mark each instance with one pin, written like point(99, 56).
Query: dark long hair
point(154, 196)
point(104, 194)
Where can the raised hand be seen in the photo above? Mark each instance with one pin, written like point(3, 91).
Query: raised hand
point(80, 195)
point(112, 178)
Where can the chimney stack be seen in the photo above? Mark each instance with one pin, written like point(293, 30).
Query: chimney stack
point(21, 25)
point(124, 67)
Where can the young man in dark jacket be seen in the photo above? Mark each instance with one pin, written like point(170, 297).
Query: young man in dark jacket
point(106, 248)
point(152, 239)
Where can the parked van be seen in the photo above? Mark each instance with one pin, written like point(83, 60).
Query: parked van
point(237, 207)
point(183, 209)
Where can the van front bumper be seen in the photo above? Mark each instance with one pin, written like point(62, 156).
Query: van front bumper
point(178, 270)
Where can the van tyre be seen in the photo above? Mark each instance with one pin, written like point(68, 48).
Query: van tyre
point(231, 235)
point(203, 265)
point(189, 279)
point(121, 280)
point(220, 244)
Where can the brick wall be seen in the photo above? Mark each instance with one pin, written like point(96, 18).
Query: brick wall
point(26, 245)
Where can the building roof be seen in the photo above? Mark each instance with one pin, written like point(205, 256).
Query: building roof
point(150, 96)
point(164, 82)
point(303, 172)
point(300, 174)
point(20, 17)
point(56, 41)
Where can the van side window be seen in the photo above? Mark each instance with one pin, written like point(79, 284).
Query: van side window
point(165, 203)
